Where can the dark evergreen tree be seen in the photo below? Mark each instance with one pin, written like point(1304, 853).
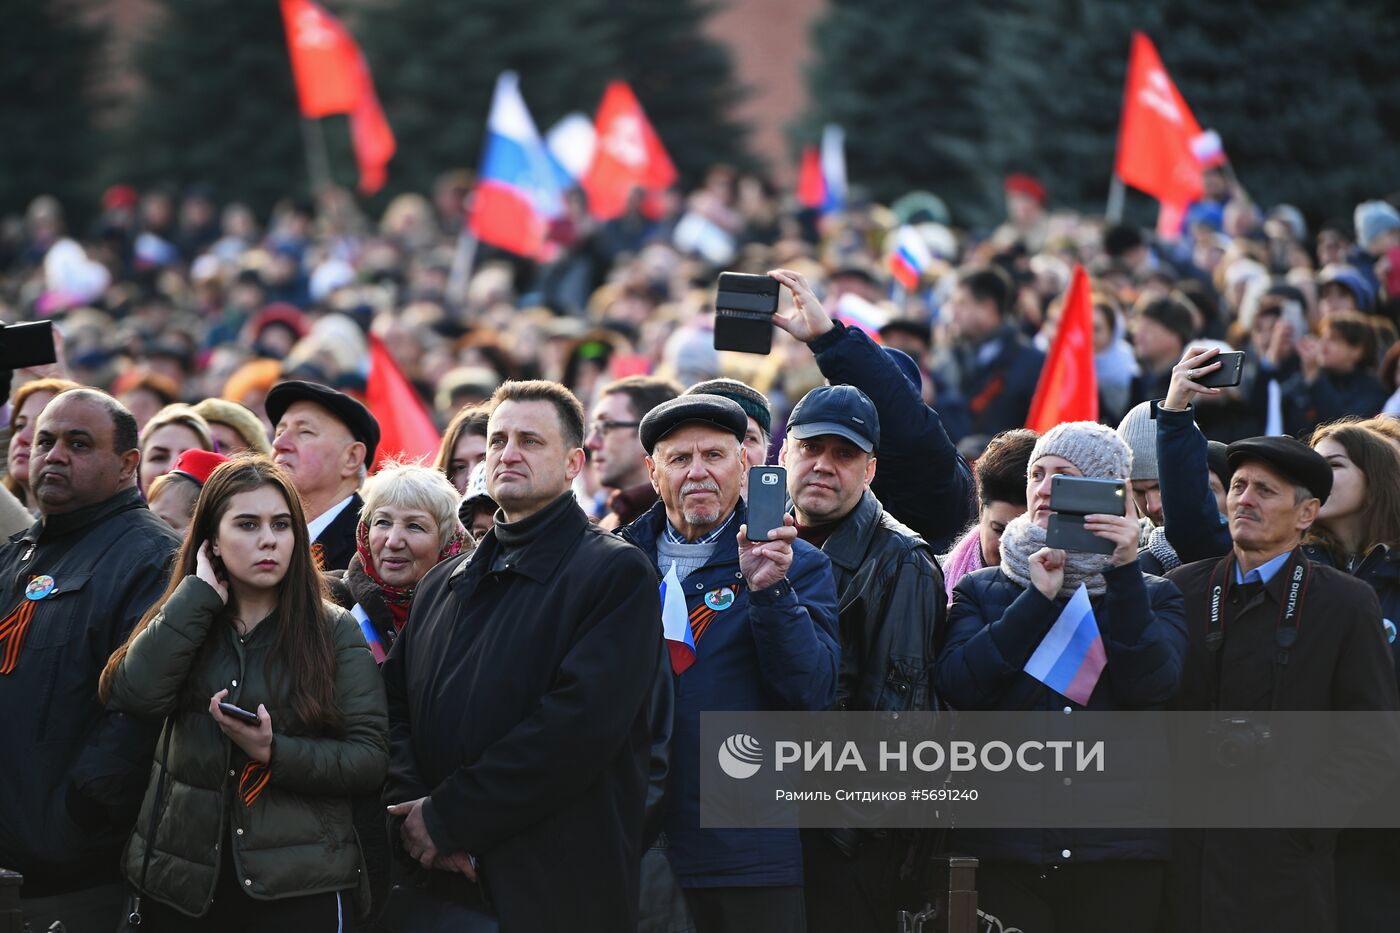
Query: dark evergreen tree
point(49, 67)
point(683, 78)
point(907, 82)
point(436, 65)
point(218, 104)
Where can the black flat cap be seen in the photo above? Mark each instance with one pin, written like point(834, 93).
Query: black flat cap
point(722, 413)
point(1298, 462)
point(356, 417)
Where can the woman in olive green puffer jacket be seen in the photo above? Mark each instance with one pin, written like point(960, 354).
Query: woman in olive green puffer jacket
point(253, 822)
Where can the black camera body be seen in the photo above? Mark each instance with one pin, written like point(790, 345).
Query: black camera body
point(1240, 744)
point(744, 309)
point(23, 345)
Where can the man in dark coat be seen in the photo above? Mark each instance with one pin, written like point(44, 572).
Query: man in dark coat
point(997, 369)
point(891, 603)
point(763, 616)
point(71, 588)
point(1336, 658)
point(923, 481)
point(518, 694)
point(326, 441)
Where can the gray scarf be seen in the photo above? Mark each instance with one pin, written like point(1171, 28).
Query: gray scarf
point(1022, 538)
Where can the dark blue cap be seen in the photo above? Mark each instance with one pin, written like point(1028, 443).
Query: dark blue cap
point(841, 410)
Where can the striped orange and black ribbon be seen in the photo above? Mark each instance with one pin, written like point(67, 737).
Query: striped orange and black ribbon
point(251, 783)
point(318, 554)
point(13, 628)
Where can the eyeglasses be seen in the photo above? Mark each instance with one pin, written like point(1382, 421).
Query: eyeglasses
point(603, 427)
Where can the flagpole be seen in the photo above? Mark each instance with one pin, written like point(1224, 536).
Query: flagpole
point(461, 273)
point(1114, 211)
point(318, 161)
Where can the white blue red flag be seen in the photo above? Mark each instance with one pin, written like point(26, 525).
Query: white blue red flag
point(518, 191)
point(833, 165)
point(1070, 657)
point(675, 622)
point(909, 257)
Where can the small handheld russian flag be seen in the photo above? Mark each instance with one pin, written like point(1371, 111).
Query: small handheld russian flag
point(376, 645)
point(1070, 658)
point(909, 257)
point(675, 622)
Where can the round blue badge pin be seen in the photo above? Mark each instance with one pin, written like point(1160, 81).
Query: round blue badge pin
point(1389, 630)
point(720, 599)
point(39, 587)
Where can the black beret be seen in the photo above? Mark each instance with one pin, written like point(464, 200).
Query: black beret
point(1298, 462)
point(713, 410)
point(356, 417)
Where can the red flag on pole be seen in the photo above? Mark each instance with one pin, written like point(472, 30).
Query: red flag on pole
point(333, 77)
point(811, 186)
point(1068, 389)
point(629, 155)
point(1156, 134)
point(406, 429)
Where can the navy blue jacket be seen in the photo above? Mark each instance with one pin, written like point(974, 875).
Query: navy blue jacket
point(1329, 397)
point(922, 480)
point(1190, 515)
point(773, 650)
point(995, 625)
point(997, 396)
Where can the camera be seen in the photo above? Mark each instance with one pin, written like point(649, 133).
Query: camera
point(23, 345)
point(1237, 744)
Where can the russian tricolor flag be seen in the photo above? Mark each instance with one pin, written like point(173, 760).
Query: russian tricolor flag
point(518, 191)
point(909, 258)
point(1070, 657)
point(675, 622)
point(821, 179)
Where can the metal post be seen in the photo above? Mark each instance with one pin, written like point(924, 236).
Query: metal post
point(1114, 211)
point(318, 161)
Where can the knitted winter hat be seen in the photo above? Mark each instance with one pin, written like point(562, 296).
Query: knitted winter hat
point(1090, 446)
point(1139, 431)
point(1372, 218)
point(753, 402)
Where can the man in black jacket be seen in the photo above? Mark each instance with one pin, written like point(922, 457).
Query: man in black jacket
point(326, 440)
point(71, 588)
point(518, 694)
point(923, 480)
point(890, 594)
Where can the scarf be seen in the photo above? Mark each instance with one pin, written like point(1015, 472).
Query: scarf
point(1022, 538)
point(965, 557)
point(397, 598)
point(1158, 545)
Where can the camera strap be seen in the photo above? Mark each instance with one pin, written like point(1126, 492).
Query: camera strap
point(1298, 574)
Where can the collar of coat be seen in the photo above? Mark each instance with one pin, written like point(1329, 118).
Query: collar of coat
point(540, 558)
point(59, 526)
point(850, 542)
point(645, 531)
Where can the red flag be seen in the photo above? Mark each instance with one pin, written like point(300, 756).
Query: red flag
point(405, 427)
point(1068, 389)
point(332, 77)
point(811, 186)
point(1155, 136)
point(629, 155)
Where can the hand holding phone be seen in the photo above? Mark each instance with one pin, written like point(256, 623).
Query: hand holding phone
point(239, 713)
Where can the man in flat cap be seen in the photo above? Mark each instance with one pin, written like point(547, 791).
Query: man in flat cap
point(1271, 630)
point(763, 617)
point(326, 441)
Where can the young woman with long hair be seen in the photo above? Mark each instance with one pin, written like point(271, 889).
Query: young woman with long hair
point(247, 825)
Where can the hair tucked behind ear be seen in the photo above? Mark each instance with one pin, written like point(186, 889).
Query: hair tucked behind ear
point(303, 648)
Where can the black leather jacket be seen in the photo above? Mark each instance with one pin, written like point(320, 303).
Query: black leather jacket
point(891, 604)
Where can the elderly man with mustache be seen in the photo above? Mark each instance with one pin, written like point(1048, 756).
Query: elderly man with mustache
point(763, 615)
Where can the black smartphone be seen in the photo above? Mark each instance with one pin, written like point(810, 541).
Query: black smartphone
point(1229, 374)
point(1067, 533)
point(744, 309)
point(23, 345)
point(767, 501)
point(1082, 495)
point(238, 712)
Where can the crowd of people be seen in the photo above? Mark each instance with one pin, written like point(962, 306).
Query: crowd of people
point(257, 673)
